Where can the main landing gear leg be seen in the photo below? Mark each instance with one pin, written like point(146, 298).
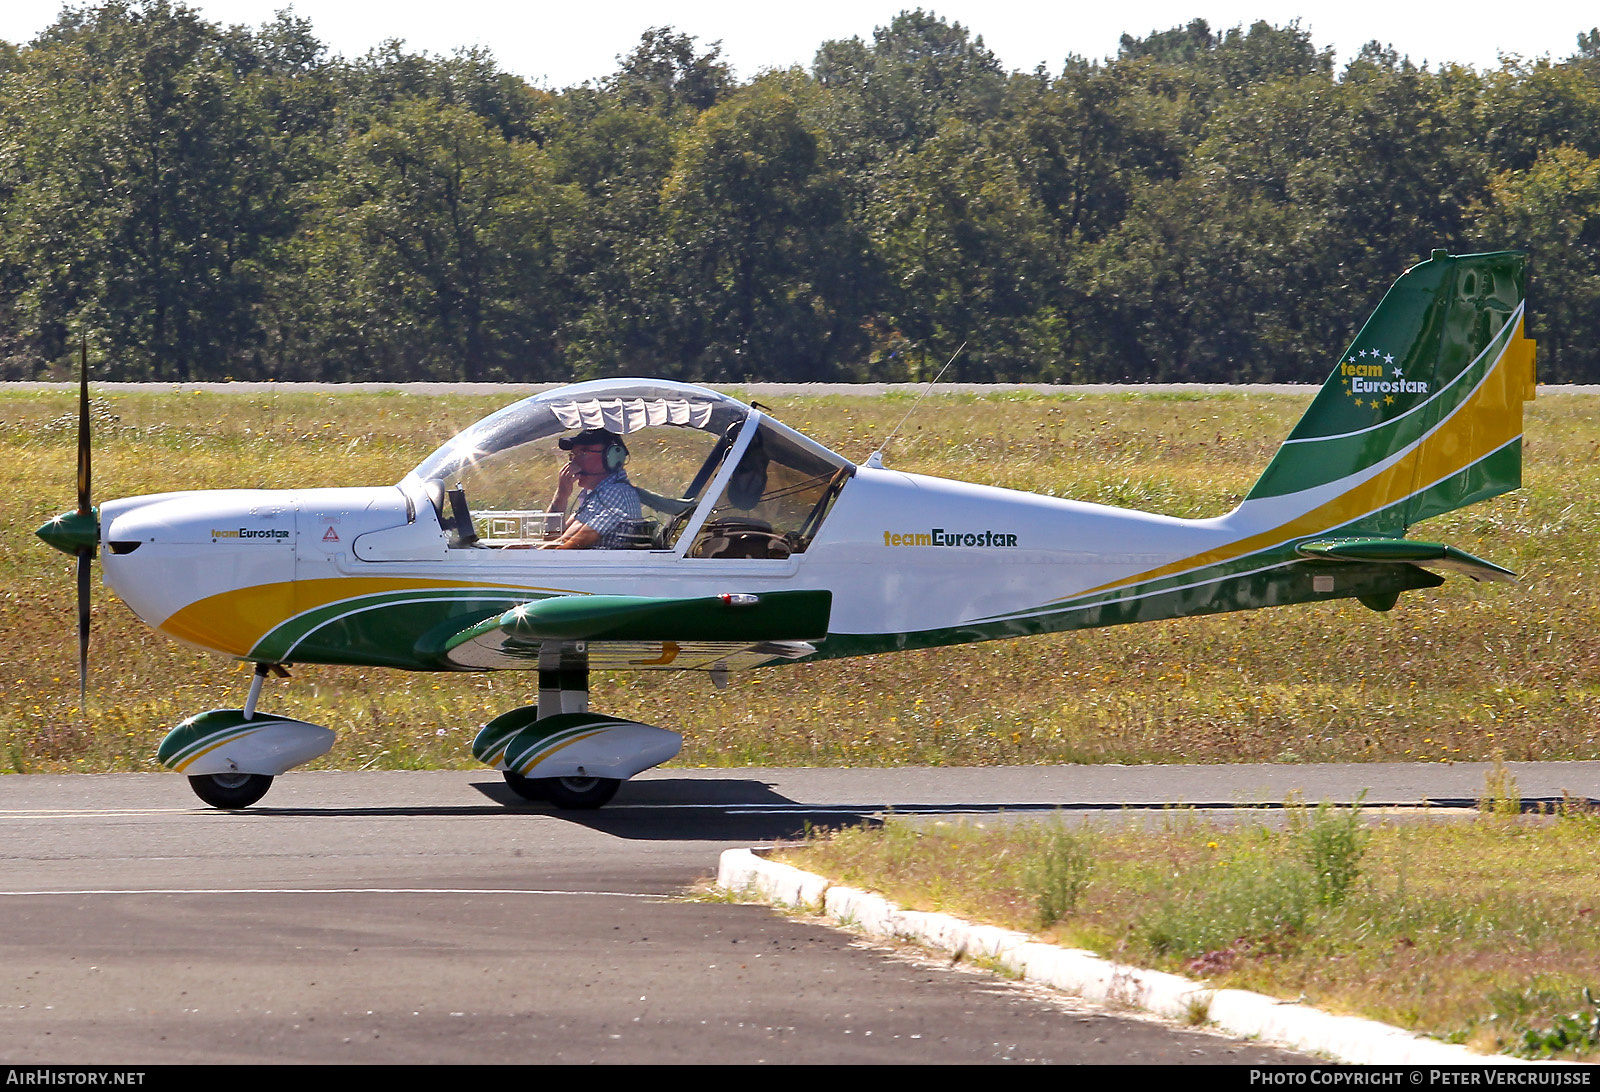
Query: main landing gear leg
point(564, 688)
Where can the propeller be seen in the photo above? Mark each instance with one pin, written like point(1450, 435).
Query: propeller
point(78, 533)
point(85, 551)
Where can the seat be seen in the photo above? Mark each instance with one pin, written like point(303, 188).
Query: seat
point(741, 537)
point(672, 506)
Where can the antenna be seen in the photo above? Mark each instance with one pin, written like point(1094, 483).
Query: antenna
point(875, 460)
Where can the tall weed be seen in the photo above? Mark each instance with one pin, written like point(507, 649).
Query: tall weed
point(1332, 843)
point(1501, 796)
point(1057, 872)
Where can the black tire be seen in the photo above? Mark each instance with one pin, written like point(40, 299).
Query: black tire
point(580, 792)
point(231, 790)
point(529, 788)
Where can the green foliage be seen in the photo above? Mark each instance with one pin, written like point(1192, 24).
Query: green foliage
point(918, 71)
point(1255, 900)
point(1531, 1018)
point(665, 75)
point(1332, 842)
point(759, 242)
point(1553, 206)
point(1236, 58)
point(1267, 893)
point(971, 257)
point(438, 231)
point(1208, 205)
point(147, 191)
point(1569, 1031)
point(1057, 872)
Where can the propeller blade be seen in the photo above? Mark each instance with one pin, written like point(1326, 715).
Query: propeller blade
point(85, 553)
point(83, 427)
point(83, 628)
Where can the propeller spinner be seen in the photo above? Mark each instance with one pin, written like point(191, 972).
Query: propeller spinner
point(78, 533)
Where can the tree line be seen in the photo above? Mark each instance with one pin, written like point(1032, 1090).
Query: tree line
point(207, 202)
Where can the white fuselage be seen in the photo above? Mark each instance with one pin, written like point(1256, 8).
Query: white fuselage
point(901, 553)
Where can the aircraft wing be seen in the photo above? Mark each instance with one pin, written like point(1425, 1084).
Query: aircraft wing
point(633, 632)
point(1427, 555)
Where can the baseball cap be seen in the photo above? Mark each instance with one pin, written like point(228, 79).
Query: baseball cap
point(590, 437)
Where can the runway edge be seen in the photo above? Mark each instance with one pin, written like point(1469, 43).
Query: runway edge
point(1350, 1039)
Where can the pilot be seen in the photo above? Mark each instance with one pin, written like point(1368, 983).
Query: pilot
point(608, 504)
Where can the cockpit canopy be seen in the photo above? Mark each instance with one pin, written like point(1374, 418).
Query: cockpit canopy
point(768, 501)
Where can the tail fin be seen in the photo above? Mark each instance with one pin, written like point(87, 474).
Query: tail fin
point(1423, 413)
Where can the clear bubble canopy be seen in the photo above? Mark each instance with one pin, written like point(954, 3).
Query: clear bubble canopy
point(620, 405)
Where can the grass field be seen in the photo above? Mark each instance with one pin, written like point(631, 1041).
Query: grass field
point(1476, 932)
point(1465, 672)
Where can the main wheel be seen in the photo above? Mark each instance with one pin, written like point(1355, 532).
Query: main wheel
point(231, 790)
point(529, 788)
point(580, 792)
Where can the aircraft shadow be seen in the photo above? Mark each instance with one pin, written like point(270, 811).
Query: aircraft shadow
point(749, 810)
point(689, 809)
point(683, 809)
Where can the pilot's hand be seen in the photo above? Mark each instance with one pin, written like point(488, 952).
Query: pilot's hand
point(567, 479)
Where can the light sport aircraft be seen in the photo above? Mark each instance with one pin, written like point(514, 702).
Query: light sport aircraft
point(767, 547)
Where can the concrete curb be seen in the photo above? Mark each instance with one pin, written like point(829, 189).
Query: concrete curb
point(1237, 1012)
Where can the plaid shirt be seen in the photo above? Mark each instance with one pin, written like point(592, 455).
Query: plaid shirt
point(609, 509)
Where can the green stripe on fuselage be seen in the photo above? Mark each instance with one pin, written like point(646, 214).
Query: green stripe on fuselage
point(1288, 583)
point(383, 630)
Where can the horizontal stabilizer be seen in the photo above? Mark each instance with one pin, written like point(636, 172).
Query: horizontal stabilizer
point(1428, 555)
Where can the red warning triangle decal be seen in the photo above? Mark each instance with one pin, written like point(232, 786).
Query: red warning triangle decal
point(331, 536)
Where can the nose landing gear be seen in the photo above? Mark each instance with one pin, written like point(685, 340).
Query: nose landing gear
point(232, 755)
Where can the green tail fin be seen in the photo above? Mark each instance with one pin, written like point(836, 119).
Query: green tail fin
point(1423, 412)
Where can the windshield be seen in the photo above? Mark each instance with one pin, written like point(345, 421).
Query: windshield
point(499, 482)
point(776, 498)
point(621, 405)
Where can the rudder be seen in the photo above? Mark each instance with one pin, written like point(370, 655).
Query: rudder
point(1423, 412)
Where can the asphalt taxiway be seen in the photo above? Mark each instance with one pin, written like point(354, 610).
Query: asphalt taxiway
point(431, 917)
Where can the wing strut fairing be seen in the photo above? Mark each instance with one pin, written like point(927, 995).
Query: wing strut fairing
point(730, 631)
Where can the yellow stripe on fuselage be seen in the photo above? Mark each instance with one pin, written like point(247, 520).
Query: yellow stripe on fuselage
point(234, 621)
point(1494, 419)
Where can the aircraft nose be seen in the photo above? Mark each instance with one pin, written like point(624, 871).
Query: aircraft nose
point(72, 532)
